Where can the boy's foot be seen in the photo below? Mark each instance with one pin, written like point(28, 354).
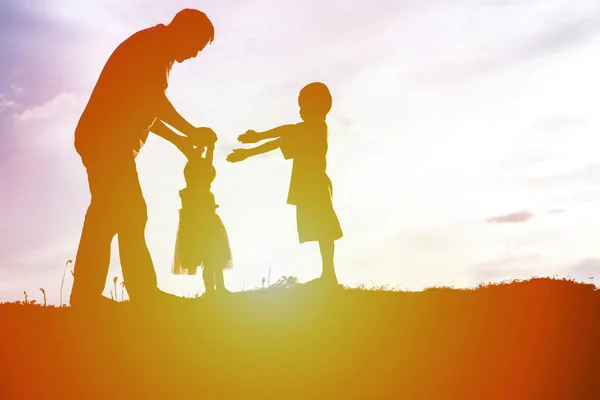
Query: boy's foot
point(324, 283)
point(158, 297)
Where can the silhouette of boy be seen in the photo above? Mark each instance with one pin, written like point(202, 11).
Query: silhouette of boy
point(127, 103)
point(310, 187)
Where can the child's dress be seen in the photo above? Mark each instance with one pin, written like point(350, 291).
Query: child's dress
point(201, 237)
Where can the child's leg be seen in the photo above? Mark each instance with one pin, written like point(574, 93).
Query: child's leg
point(327, 248)
point(209, 278)
point(219, 279)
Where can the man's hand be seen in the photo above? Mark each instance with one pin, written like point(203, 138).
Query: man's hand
point(238, 155)
point(249, 137)
point(184, 143)
point(203, 137)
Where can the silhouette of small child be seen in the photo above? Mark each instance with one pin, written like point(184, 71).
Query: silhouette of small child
point(310, 187)
point(201, 238)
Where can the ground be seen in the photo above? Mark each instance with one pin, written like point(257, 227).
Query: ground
point(536, 339)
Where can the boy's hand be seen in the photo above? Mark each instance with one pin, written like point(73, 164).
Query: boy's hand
point(249, 137)
point(238, 155)
point(203, 136)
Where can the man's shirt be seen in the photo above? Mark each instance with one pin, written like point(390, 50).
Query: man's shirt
point(124, 103)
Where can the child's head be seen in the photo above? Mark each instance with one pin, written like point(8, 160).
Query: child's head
point(315, 101)
point(207, 176)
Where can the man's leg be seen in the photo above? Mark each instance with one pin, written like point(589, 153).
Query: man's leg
point(136, 262)
point(93, 255)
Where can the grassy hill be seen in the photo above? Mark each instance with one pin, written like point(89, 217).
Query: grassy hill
point(537, 339)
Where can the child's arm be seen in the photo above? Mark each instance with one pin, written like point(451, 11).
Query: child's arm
point(255, 137)
point(210, 151)
point(241, 154)
point(183, 143)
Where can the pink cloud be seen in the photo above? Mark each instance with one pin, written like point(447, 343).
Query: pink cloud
point(516, 217)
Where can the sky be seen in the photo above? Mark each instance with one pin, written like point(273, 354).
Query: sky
point(463, 137)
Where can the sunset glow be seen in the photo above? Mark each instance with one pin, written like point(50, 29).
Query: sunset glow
point(462, 139)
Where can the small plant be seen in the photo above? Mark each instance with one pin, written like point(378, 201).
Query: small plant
point(286, 282)
point(115, 283)
point(26, 301)
point(63, 280)
point(44, 293)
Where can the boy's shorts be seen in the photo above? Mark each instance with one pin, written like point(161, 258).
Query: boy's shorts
point(317, 222)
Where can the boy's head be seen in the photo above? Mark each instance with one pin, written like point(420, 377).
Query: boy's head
point(315, 101)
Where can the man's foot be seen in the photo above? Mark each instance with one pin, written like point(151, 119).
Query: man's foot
point(93, 303)
point(157, 298)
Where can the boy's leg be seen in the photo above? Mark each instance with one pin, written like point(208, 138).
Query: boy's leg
point(219, 280)
point(327, 248)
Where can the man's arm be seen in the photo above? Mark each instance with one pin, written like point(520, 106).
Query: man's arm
point(241, 154)
point(254, 137)
point(168, 114)
point(181, 142)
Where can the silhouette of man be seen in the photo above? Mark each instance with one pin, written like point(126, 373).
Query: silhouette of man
point(126, 104)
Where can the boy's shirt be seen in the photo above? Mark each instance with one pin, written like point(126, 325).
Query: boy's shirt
point(307, 146)
point(121, 108)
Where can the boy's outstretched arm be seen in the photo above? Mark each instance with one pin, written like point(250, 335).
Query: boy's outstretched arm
point(255, 137)
point(241, 154)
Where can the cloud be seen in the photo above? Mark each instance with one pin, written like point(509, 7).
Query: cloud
point(586, 174)
point(513, 218)
point(507, 268)
point(6, 103)
point(586, 269)
point(555, 211)
point(503, 40)
point(53, 107)
point(556, 124)
point(17, 89)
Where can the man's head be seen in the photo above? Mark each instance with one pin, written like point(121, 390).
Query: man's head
point(315, 101)
point(191, 31)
